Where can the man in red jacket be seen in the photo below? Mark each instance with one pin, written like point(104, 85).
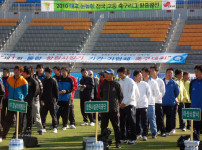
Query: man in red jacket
point(71, 107)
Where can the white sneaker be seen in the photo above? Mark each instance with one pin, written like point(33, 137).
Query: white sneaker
point(173, 131)
point(92, 124)
point(55, 130)
point(84, 124)
point(64, 128)
point(184, 129)
point(43, 130)
point(139, 137)
point(167, 133)
point(123, 141)
point(73, 126)
point(144, 138)
point(0, 139)
point(133, 142)
point(67, 127)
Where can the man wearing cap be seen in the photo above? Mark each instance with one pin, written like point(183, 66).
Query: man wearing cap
point(86, 86)
point(95, 88)
point(110, 91)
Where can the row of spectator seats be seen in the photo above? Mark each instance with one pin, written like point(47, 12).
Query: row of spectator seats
point(191, 37)
point(54, 35)
point(26, 5)
point(132, 36)
point(7, 26)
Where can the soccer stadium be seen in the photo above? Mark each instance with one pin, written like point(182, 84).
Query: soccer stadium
point(98, 35)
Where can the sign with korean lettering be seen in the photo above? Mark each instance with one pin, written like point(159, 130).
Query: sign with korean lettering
point(191, 114)
point(94, 57)
point(96, 106)
point(128, 5)
point(16, 105)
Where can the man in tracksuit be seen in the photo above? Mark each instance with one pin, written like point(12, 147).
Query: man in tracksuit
point(71, 105)
point(158, 101)
point(168, 101)
point(196, 98)
point(18, 90)
point(32, 92)
point(142, 106)
point(128, 107)
point(66, 86)
point(86, 87)
point(49, 99)
point(186, 82)
point(111, 91)
point(151, 105)
point(182, 98)
point(6, 73)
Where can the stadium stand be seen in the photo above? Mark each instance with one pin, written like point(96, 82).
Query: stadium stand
point(7, 26)
point(133, 36)
point(55, 35)
point(25, 5)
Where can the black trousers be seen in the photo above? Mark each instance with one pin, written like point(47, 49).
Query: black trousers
point(188, 105)
point(29, 118)
point(63, 111)
point(51, 107)
point(197, 129)
point(181, 121)
point(169, 112)
point(85, 115)
point(128, 116)
point(174, 116)
point(142, 121)
point(114, 118)
point(4, 110)
point(71, 113)
point(159, 118)
point(9, 121)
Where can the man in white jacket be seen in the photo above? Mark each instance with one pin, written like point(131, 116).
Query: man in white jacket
point(128, 107)
point(151, 105)
point(158, 101)
point(142, 105)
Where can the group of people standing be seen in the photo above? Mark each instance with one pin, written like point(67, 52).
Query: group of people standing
point(43, 93)
point(134, 105)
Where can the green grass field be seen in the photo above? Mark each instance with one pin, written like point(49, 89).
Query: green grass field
point(71, 139)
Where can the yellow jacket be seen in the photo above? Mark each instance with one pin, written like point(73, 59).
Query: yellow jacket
point(187, 85)
point(183, 93)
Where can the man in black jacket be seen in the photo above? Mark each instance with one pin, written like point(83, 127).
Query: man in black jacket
point(57, 71)
point(86, 86)
point(110, 91)
point(2, 93)
point(33, 89)
point(49, 99)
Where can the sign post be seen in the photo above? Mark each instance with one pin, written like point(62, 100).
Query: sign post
point(18, 106)
point(95, 107)
point(191, 114)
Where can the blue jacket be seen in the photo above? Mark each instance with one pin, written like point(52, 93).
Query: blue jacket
point(66, 84)
point(196, 93)
point(17, 88)
point(172, 91)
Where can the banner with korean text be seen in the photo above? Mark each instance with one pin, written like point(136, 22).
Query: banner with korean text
point(127, 5)
point(94, 57)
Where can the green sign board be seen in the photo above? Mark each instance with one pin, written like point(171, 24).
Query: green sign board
point(191, 114)
point(96, 106)
point(127, 5)
point(16, 105)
